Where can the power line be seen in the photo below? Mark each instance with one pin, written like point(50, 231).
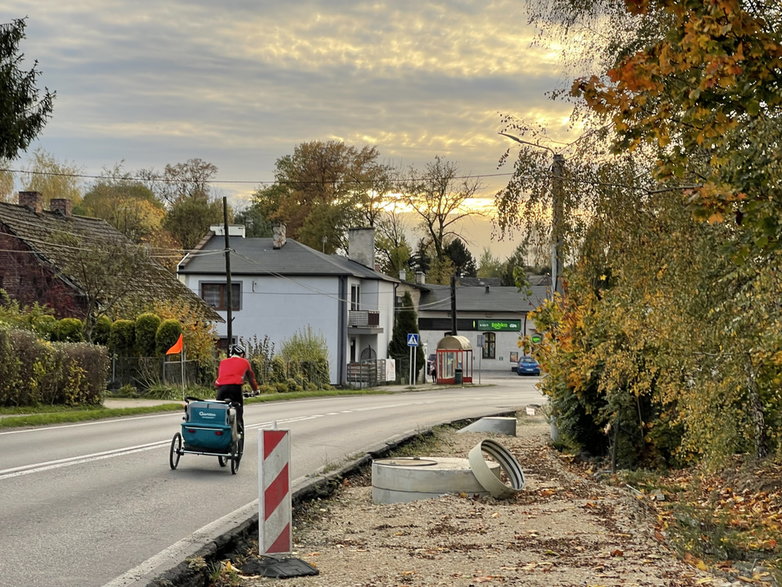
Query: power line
point(234, 181)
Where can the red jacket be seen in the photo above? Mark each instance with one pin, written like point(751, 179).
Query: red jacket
point(233, 370)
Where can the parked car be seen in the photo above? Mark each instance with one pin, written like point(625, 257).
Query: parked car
point(527, 366)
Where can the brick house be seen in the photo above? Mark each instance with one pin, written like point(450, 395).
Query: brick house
point(32, 255)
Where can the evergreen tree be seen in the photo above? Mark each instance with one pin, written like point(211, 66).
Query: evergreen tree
point(406, 323)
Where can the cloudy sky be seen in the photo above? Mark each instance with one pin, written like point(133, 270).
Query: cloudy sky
point(239, 83)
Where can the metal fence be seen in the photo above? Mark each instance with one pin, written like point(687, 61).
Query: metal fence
point(147, 372)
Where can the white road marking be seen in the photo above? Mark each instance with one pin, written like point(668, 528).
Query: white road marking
point(118, 452)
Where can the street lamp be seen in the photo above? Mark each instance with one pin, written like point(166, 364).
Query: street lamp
point(557, 170)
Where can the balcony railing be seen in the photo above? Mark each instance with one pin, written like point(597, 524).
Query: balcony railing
point(363, 319)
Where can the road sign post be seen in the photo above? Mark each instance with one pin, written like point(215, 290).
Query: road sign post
point(413, 341)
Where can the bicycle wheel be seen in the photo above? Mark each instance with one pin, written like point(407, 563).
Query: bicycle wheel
point(176, 451)
point(236, 454)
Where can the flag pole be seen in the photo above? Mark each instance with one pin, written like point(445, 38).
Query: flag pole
point(182, 362)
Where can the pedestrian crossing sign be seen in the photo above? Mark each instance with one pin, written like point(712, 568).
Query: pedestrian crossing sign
point(412, 339)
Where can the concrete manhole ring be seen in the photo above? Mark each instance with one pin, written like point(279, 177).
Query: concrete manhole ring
point(408, 462)
point(489, 480)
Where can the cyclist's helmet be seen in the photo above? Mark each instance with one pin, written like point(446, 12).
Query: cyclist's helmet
point(237, 350)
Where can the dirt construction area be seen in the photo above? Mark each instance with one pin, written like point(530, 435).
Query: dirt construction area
point(563, 528)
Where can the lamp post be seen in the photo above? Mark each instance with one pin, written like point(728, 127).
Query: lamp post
point(557, 172)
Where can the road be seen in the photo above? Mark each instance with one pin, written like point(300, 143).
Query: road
point(96, 503)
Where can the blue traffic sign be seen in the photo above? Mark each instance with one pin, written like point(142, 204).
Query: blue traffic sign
point(412, 339)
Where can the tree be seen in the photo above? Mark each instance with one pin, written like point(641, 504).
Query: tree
point(53, 179)
point(126, 204)
point(189, 219)
point(489, 265)
point(461, 257)
point(406, 323)
point(180, 181)
point(439, 197)
point(23, 113)
point(6, 181)
point(421, 259)
point(255, 221)
point(391, 244)
point(665, 345)
point(322, 190)
point(705, 95)
point(105, 274)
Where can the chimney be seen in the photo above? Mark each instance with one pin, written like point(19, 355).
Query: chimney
point(233, 230)
point(420, 277)
point(32, 200)
point(402, 274)
point(361, 246)
point(62, 206)
point(278, 238)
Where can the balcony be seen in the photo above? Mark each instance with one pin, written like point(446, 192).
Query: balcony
point(367, 321)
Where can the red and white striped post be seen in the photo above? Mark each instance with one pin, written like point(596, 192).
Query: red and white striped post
point(275, 515)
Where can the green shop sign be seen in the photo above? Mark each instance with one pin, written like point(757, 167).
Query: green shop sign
point(497, 325)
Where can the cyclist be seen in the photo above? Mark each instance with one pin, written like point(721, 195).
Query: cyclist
point(231, 375)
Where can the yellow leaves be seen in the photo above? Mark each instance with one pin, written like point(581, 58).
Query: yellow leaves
point(695, 562)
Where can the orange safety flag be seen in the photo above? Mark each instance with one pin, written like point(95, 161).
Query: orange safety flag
point(177, 348)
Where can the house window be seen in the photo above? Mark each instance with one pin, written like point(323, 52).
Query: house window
point(489, 345)
point(355, 295)
point(215, 294)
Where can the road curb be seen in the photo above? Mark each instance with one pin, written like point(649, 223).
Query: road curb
point(190, 572)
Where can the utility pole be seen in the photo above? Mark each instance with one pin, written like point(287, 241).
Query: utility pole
point(453, 305)
point(557, 171)
point(228, 287)
point(557, 205)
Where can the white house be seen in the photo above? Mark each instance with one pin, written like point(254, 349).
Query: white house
point(496, 314)
point(281, 287)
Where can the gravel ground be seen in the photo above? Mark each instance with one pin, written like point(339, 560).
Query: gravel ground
point(562, 529)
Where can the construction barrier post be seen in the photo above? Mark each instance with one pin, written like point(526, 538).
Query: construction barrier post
point(275, 511)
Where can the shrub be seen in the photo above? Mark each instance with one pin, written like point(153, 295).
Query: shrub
point(163, 391)
point(167, 334)
point(45, 326)
point(40, 372)
point(10, 369)
point(266, 388)
point(293, 384)
point(127, 390)
point(278, 370)
point(261, 354)
point(122, 339)
point(147, 325)
point(280, 387)
point(69, 330)
point(85, 369)
point(102, 331)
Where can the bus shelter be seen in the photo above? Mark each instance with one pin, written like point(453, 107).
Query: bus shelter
point(454, 360)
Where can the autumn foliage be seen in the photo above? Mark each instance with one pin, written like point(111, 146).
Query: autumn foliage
point(665, 348)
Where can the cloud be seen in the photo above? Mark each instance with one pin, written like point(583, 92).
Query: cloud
point(240, 83)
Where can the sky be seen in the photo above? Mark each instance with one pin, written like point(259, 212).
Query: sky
point(240, 83)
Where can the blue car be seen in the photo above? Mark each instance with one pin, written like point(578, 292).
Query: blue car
point(527, 366)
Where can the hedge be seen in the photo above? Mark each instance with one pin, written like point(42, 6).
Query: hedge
point(38, 372)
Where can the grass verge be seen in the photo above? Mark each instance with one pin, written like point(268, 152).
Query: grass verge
point(20, 417)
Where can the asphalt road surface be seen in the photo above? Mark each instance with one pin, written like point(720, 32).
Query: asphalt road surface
point(96, 503)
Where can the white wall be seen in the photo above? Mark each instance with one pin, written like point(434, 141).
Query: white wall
point(280, 307)
point(506, 343)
